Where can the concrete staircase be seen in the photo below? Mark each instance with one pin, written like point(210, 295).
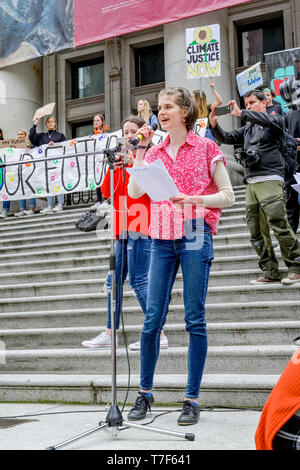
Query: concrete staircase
point(51, 298)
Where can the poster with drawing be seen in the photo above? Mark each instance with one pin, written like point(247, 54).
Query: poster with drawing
point(203, 52)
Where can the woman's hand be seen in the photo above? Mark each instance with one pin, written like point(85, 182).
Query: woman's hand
point(35, 121)
point(147, 135)
point(184, 200)
point(51, 142)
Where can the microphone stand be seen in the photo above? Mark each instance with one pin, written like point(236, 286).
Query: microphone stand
point(114, 418)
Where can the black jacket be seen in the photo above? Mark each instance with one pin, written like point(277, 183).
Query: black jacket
point(261, 133)
point(43, 138)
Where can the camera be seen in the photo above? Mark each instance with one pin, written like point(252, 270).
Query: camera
point(250, 158)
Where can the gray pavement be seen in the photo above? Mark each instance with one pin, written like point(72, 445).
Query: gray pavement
point(216, 430)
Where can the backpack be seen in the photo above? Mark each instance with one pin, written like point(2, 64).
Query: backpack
point(288, 148)
point(89, 221)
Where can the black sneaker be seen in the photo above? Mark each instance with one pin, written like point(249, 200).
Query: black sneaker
point(141, 406)
point(189, 415)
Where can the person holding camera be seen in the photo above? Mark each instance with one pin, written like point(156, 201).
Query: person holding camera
point(264, 167)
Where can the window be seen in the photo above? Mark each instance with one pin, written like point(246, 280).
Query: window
point(88, 78)
point(256, 39)
point(149, 65)
point(82, 129)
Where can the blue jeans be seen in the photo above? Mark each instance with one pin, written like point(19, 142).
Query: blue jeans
point(22, 204)
point(135, 259)
point(51, 200)
point(195, 256)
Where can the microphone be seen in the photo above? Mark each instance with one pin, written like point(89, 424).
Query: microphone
point(136, 140)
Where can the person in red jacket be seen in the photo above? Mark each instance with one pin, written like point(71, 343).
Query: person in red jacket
point(279, 424)
point(133, 244)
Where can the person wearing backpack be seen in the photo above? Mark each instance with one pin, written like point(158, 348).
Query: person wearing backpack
point(292, 122)
point(264, 173)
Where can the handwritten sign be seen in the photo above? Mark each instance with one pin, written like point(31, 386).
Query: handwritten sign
point(44, 110)
point(249, 79)
point(203, 54)
point(13, 143)
point(57, 175)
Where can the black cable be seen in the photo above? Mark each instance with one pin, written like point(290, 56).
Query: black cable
point(207, 409)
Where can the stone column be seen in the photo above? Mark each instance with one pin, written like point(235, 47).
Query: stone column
point(113, 107)
point(21, 93)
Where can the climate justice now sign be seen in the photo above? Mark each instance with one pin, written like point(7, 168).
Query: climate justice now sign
point(203, 54)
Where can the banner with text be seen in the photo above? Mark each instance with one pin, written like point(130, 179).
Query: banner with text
point(203, 52)
point(56, 175)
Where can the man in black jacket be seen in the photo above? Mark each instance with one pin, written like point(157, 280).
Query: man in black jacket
point(264, 175)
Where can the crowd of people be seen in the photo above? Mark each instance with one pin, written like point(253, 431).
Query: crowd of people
point(178, 232)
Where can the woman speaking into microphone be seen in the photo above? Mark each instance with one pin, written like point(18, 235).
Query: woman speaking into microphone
point(181, 230)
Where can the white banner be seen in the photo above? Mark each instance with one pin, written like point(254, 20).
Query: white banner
point(56, 175)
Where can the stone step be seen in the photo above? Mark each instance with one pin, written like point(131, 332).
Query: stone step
point(27, 278)
point(89, 293)
point(219, 334)
point(229, 312)
point(88, 280)
point(217, 390)
point(220, 263)
point(258, 359)
point(49, 238)
point(94, 246)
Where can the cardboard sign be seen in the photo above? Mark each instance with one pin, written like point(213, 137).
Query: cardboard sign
point(203, 52)
point(44, 110)
point(13, 143)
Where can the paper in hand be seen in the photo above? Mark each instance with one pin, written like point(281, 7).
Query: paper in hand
point(155, 181)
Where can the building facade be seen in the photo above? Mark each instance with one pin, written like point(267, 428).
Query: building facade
point(109, 77)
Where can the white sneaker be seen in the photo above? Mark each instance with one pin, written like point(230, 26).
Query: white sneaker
point(58, 208)
point(102, 341)
point(47, 210)
point(3, 215)
point(137, 345)
point(20, 214)
point(30, 212)
point(96, 205)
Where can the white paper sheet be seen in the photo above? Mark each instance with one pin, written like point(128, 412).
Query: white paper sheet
point(155, 181)
point(296, 186)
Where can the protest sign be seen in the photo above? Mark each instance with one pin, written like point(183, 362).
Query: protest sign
point(44, 110)
point(55, 175)
point(249, 79)
point(203, 52)
point(13, 143)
